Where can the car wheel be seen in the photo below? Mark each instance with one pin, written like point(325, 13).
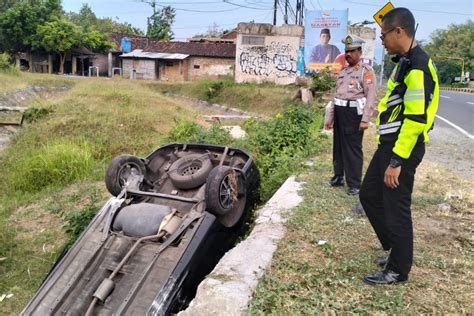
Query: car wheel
point(226, 195)
point(119, 171)
point(190, 171)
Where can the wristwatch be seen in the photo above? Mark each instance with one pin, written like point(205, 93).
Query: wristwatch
point(395, 163)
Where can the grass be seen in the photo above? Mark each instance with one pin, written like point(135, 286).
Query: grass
point(307, 278)
point(19, 80)
point(52, 173)
point(263, 99)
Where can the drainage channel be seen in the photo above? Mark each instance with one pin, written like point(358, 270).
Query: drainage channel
point(228, 288)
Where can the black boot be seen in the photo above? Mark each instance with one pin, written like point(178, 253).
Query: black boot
point(337, 181)
point(382, 261)
point(385, 277)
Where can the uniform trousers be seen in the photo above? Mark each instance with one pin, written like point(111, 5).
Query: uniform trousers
point(388, 210)
point(347, 147)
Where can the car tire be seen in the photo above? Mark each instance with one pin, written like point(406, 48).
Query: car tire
point(190, 171)
point(225, 197)
point(118, 171)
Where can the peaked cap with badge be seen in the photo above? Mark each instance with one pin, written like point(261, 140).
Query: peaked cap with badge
point(352, 42)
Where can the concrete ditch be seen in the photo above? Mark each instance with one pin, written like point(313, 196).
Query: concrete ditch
point(228, 289)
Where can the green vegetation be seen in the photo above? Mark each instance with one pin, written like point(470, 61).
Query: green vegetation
point(319, 265)
point(322, 82)
point(52, 173)
point(264, 99)
point(279, 144)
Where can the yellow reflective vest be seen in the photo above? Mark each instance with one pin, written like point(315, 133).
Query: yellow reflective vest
point(408, 109)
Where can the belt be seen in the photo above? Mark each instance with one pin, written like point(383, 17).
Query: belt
point(351, 103)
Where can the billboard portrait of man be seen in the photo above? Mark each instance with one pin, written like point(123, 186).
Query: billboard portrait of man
point(324, 30)
point(324, 52)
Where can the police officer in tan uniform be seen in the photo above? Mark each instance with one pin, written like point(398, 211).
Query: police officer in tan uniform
point(353, 106)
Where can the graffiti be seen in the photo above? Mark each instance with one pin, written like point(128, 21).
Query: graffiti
point(253, 64)
point(277, 59)
point(280, 48)
point(285, 64)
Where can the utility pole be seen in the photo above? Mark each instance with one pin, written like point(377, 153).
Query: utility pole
point(275, 12)
point(302, 12)
point(297, 13)
point(286, 11)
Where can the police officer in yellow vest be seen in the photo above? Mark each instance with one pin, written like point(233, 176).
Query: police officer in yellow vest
point(353, 105)
point(406, 114)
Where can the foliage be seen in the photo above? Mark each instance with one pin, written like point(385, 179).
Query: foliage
point(32, 114)
point(59, 35)
point(213, 31)
point(281, 143)
point(159, 23)
point(187, 131)
point(88, 21)
point(447, 70)
point(278, 144)
point(19, 24)
point(5, 61)
point(214, 88)
point(450, 43)
point(6, 4)
point(322, 81)
point(78, 219)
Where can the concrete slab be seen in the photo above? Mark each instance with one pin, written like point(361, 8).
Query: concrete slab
point(228, 289)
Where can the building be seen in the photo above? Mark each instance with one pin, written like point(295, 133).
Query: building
point(268, 53)
point(179, 61)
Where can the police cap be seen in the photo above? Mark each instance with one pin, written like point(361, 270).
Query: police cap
point(352, 42)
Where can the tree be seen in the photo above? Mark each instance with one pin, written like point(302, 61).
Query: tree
point(6, 4)
point(455, 41)
point(213, 31)
point(96, 41)
point(159, 24)
point(59, 35)
point(88, 21)
point(19, 23)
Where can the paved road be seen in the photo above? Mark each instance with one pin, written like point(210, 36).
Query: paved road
point(458, 109)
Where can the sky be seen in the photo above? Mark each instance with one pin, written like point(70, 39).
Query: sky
point(197, 16)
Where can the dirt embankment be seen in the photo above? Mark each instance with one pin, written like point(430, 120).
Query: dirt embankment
point(20, 98)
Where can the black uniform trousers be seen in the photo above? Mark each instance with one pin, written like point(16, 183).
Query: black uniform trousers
point(347, 147)
point(388, 210)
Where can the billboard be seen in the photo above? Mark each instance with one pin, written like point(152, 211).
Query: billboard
point(367, 34)
point(323, 33)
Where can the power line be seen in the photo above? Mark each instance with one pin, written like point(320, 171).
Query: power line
point(244, 6)
point(420, 10)
point(200, 11)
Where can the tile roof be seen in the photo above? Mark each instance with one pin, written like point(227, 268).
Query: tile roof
point(224, 50)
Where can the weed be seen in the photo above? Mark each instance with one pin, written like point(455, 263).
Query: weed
point(33, 114)
point(78, 220)
point(322, 82)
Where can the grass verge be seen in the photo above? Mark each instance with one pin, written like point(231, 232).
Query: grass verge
point(318, 267)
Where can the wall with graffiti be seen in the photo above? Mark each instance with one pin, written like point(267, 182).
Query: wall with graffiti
point(267, 57)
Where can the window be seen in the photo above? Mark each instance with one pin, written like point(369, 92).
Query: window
point(253, 40)
point(196, 66)
point(169, 64)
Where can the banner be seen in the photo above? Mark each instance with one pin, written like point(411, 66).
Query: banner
point(323, 33)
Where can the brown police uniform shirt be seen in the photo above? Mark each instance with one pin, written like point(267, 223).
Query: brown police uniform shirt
point(357, 82)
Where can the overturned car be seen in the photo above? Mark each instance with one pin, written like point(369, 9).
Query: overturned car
point(173, 214)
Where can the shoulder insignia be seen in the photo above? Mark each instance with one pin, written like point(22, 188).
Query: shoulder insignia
point(369, 77)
